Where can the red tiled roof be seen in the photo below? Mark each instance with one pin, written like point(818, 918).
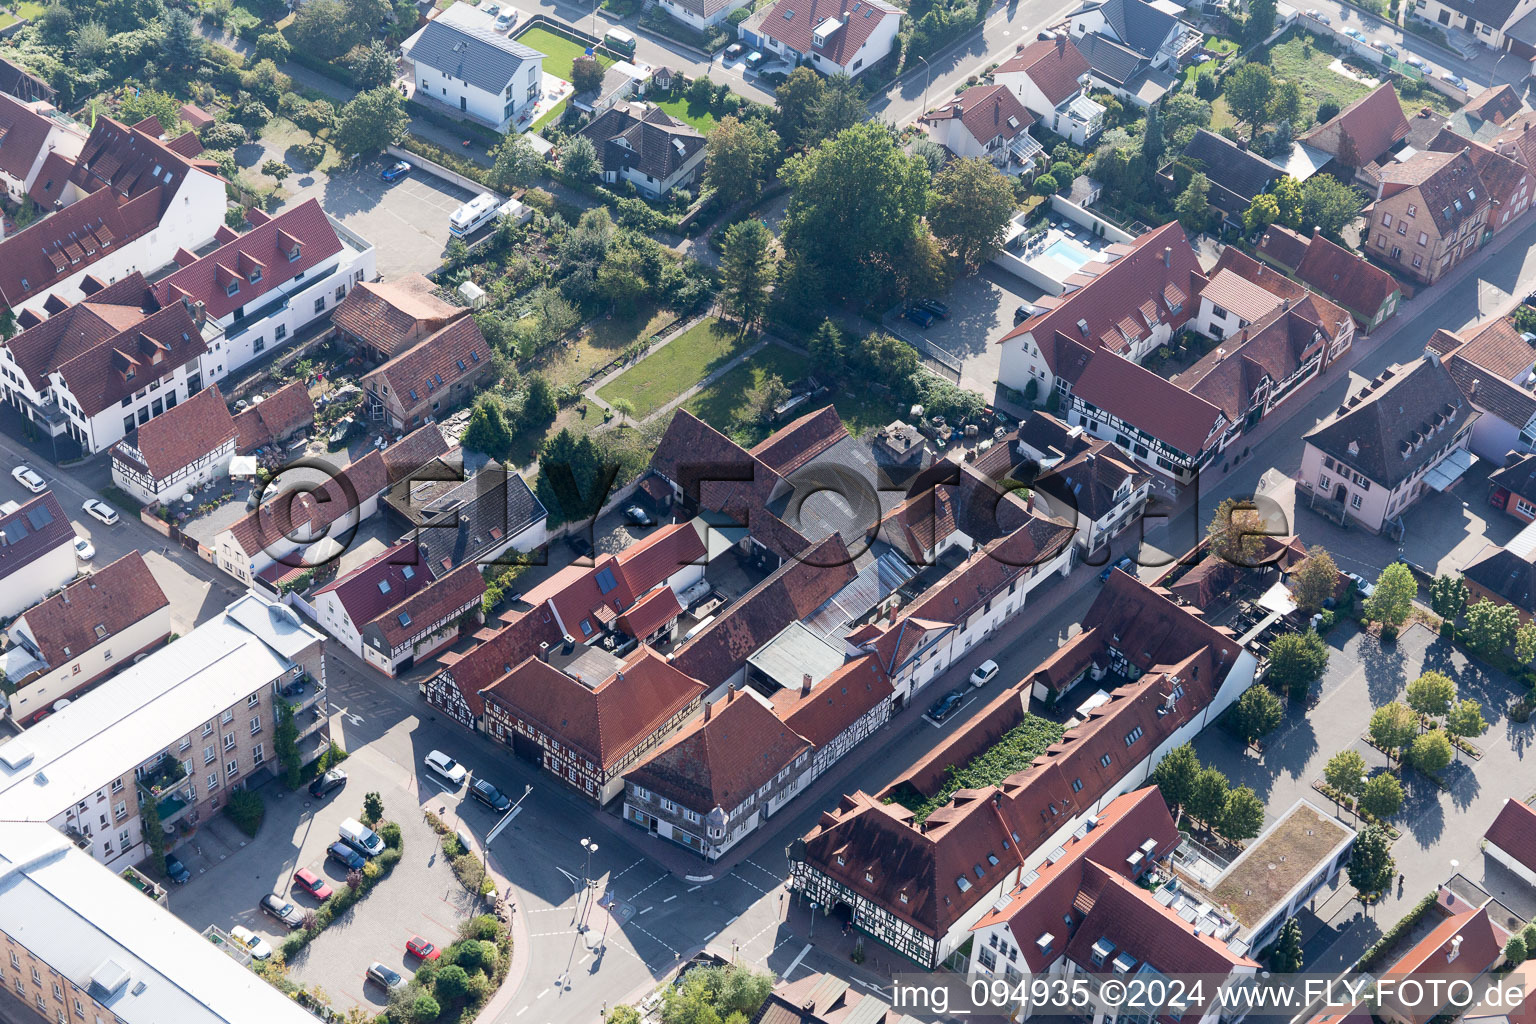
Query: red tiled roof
point(513, 644)
point(415, 377)
point(131, 162)
point(392, 315)
point(1480, 947)
point(721, 758)
point(180, 436)
point(101, 377)
point(1237, 295)
point(798, 442)
point(793, 591)
point(1345, 277)
point(1054, 65)
point(286, 515)
point(650, 613)
point(846, 695)
point(26, 540)
point(415, 450)
point(1375, 123)
point(274, 418)
point(575, 596)
point(35, 258)
point(1514, 832)
point(1099, 313)
point(429, 605)
point(1143, 399)
point(987, 111)
point(384, 580)
point(1283, 246)
point(51, 179)
point(605, 721)
point(262, 253)
point(694, 455)
point(992, 568)
point(792, 22)
point(195, 116)
point(42, 349)
point(23, 132)
point(94, 609)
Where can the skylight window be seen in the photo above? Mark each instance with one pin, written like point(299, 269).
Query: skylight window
point(383, 586)
point(405, 618)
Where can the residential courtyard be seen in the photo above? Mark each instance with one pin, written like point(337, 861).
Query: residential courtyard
point(1441, 828)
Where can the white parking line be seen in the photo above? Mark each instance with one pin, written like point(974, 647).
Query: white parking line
point(710, 936)
point(669, 899)
point(647, 910)
point(695, 888)
point(541, 995)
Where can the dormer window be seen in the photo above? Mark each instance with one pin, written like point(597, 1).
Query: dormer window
point(255, 275)
point(293, 254)
point(233, 288)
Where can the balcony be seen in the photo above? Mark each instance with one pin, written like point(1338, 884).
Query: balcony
point(302, 694)
point(157, 785)
point(145, 885)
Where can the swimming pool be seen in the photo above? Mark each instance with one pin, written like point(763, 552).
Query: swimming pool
point(1068, 252)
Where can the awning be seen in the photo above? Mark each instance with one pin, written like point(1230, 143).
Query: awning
point(242, 466)
point(1450, 469)
point(1278, 599)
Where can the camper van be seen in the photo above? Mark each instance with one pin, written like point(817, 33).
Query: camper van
point(621, 41)
point(473, 215)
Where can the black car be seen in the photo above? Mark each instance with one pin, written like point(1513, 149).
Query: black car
point(1024, 312)
point(489, 795)
point(275, 906)
point(946, 705)
point(935, 307)
point(175, 870)
point(577, 543)
point(734, 50)
point(637, 516)
point(347, 857)
point(331, 780)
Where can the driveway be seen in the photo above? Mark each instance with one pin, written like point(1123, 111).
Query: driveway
point(980, 312)
point(420, 897)
point(1442, 829)
point(406, 221)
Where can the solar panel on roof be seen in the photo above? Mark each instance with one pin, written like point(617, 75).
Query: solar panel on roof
point(39, 517)
point(14, 532)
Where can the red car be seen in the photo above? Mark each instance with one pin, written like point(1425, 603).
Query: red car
point(312, 883)
point(421, 949)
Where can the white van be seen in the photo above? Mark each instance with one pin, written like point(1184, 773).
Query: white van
point(361, 838)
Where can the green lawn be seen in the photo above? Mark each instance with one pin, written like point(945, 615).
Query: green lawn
point(699, 117)
point(1289, 60)
point(723, 404)
point(560, 52)
point(29, 9)
point(7, 19)
point(674, 368)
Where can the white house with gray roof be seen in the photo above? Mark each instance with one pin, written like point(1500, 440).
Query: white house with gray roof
point(462, 62)
point(701, 14)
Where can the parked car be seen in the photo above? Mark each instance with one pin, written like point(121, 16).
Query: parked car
point(489, 795)
point(921, 317)
point(175, 870)
point(505, 20)
point(249, 941)
point(307, 881)
point(1126, 563)
point(935, 307)
point(1417, 61)
point(734, 51)
point(946, 705)
point(577, 543)
point(754, 60)
point(347, 857)
point(100, 511)
point(396, 171)
point(637, 516)
point(446, 766)
point(84, 550)
point(1024, 312)
point(360, 837)
point(1452, 77)
point(421, 949)
point(384, 976)
point(276, 907)
point(1317, 15)
point(1355, 34)
point(984, 673)
point(1364, 586)
point(1385, 47)
point(29, 478)
point(331, 780)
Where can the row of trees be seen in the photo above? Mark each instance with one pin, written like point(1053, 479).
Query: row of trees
point(1234, 813)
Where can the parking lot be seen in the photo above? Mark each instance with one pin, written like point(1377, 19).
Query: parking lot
point(230, 873)
point(981, 311)
point(407, 221)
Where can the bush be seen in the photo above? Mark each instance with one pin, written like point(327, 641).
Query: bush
point(223, 135)
point(425, 1009)
point(483, 927)
point(452, 983)
point(390, 833)
point(246, 809)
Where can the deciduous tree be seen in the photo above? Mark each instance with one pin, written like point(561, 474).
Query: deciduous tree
point(1382, 796)
point(1490, 627)
point(1236, 531)
point(1448, 597)
point(1328, 203)
point(970, 209)
point(1243, 816)
point(1175, 775)
point(1465, 720)
point(1432, 693)
point(1431, 752)
point(747, 270)
point(1208, 797)
point(1256, 714)
point(1314, 581)
point(371, 121)
point(740, 158)
point(1371, 866)
point(515, 163)
point(1345, 772)
point(1392, 728)
point(1193, 205)
point(795, 103)
point(1249, 91)
point(1392, 600)
point(579, 158)
point(586, 74)
point(1295, 660)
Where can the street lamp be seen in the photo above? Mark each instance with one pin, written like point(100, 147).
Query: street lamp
point(814, 905)
point(586, 875)
point(927, 79)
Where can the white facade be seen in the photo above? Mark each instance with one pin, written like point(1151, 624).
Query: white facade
point(437, 68)
point(306, 546)
point(194, 214)
point(65, 141)
point(694, 19)
point(285, 311)
point(1496, 852)
point(1367, 502)
point(40, 577)
point(656, 188)
point(498, 109)
point(332, 616)
point(148, 490)
point(1491, 36)
point(872, 51)
point(89, 666)
point(1077, 118)
point(1094, 533)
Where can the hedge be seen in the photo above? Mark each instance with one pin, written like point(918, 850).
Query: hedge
point(1384, 944)
point(1014, 751)
point(345, 897)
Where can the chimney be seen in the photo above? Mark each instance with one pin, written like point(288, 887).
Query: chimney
point(199, 312)
point(1167, 255)
point(708, 707)
point(1316, 231)
point(805, 685)
point(730, 693)
point(1061, 47)
point(997, 110)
